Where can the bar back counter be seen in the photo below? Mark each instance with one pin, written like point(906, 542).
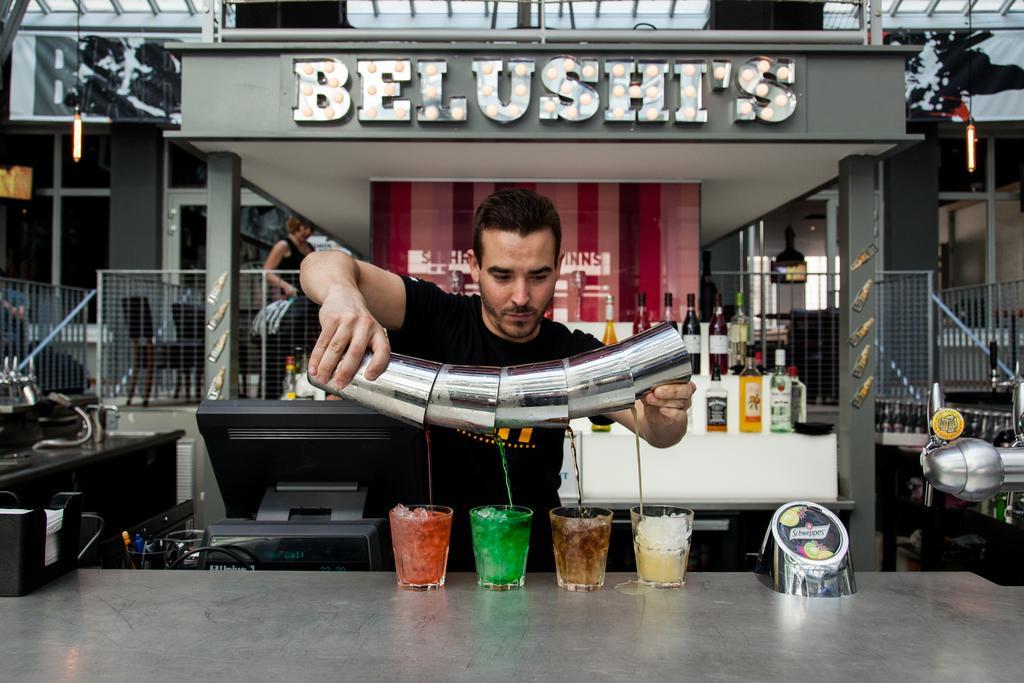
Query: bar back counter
point(120, 625)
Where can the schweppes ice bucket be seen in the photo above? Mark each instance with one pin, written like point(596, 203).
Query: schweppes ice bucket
point(806, 551)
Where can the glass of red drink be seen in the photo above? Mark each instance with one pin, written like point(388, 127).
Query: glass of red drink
point(420, 535)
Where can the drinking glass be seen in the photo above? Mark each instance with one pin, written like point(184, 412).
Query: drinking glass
point(661, 542)
point(501, 539)
point(580, 538)
point(420, 535)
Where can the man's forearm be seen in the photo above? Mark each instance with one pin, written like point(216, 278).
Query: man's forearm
point(323, 271)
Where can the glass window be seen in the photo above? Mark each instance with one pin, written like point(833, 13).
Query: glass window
point(85, 237)
point(186, 170)
point(963, 256)
point(1009, 241)
point(953, 175)
point(29, 239)
point(1009, 164)
point(30, 150)
point(93, 169)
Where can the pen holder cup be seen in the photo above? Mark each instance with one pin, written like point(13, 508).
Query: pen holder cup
point(23, 565)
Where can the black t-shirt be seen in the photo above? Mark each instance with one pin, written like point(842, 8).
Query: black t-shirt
point(449, 328)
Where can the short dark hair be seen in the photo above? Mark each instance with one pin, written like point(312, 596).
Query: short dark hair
point(516, 210)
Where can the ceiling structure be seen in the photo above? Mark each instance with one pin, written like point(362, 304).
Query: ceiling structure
point(185, 15)
point(329, 182)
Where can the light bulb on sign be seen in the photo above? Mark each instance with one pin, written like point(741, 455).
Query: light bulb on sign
point(76, 136)
point(972, 145)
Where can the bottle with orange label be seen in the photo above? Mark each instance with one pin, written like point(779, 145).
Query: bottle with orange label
point(750, 395)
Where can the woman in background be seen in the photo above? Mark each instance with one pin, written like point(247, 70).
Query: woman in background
point(299, 327)
point(287, 254)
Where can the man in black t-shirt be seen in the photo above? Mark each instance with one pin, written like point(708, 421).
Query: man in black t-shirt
point(516, 259)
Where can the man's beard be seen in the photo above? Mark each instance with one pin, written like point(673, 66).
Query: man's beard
point(511, 329)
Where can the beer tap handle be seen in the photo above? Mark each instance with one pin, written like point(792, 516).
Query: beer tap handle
point(1018, 433)
point(1018, 414)
point(993, 363)
point(936, 401)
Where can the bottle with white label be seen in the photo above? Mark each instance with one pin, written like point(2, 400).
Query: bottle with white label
point(780, 396)
point(717, 404)
point(718, 339)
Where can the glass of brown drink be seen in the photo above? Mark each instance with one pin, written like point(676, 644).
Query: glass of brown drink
point(580, 537)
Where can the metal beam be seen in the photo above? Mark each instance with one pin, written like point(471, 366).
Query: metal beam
point(969, 9)
point(1007, 4)
point(527, 35)
point(376, 9)
point(636, 6)
point(597, 9)
point(930, 9)
point(412, 8)
point(42, 6)
point(672, 10)
point(449, 8)
point(116, 4)
point(154, 7)
point(191, 6)
point(894, 7)
point(10, 29)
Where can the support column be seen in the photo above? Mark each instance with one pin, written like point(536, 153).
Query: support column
point(831, 247)
point(223, 242)
point(856, 425)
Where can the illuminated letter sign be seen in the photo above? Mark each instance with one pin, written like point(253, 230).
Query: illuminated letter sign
point(322, 95)
point(487, 98)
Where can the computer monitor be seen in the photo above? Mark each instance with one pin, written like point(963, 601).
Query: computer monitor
point(289, 447)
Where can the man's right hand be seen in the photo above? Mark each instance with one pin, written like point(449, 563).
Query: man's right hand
point(348, 331)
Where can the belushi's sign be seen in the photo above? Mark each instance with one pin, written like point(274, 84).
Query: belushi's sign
point(564, 88)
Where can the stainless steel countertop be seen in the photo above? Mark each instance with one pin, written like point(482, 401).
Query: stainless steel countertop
point(96, 625)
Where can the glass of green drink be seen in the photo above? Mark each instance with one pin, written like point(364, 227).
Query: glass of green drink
point(501, 538)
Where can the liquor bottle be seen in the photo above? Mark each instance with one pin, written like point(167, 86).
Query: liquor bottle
point(739, 334)
point(718, 339)
point(750, 395)
point(708, 290)
point(759, 363)
point(609, 322)
point(668, 316)
point(780, 396)
point(798, 392)
point(717, 403)
point(289, 379)
point(642, 319)
point(691, 334)
point(608, 339)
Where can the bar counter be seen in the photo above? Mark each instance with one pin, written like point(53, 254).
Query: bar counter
point(151, 626)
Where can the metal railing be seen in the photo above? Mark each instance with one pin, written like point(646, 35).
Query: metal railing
point(972, 319)
point(905, 330)
point(152, 345)
point(48, 323)
point(539, 21)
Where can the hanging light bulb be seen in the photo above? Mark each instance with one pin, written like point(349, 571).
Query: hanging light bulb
point(972, 145)
point(76, 136)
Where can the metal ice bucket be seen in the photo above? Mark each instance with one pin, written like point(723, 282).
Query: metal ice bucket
point(806, 551)
point(538, 395)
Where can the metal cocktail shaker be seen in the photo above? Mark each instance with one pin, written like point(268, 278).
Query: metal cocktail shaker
point(548, 394)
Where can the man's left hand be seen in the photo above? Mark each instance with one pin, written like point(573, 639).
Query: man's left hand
point(662, 413)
